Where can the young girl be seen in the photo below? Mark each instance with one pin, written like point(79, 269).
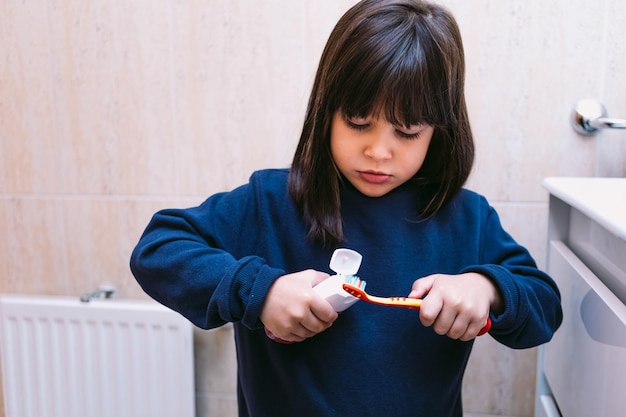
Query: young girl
point(384, 152)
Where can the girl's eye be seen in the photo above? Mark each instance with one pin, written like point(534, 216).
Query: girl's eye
point(357, 124)
point(405, 135)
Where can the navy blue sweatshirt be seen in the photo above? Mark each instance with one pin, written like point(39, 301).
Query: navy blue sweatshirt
point(215, 264)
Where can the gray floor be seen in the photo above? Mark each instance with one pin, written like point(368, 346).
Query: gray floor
point(481, 415)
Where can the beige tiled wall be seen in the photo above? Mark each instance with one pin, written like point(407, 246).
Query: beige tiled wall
point(112, 110)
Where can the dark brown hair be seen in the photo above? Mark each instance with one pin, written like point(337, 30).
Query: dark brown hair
point(399, 58)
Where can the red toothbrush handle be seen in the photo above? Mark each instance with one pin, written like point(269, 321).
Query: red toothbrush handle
point(486, 328)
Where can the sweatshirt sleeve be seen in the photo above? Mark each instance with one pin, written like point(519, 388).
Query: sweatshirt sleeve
point(187, 260)
point(532, 302)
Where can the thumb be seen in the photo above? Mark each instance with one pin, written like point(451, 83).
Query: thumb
point(318, 277)
point(421, 287)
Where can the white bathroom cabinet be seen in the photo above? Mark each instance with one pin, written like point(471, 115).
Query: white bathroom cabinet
point(582, 371)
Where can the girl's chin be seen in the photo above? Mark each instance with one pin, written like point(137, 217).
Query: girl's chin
point(373, 190)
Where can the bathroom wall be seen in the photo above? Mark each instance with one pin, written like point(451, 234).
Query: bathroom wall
point(110, 111)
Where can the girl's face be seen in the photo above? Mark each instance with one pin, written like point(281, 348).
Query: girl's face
point(375, 155)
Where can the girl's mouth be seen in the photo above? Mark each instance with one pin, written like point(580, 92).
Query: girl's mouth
point(374, 177)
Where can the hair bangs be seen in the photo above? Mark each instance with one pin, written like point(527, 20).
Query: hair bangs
point(390, 75)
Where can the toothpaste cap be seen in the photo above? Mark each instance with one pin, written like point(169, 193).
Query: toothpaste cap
point(345, 261)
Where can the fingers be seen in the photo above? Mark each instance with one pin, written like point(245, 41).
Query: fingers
point(317, 316)
point(317, 277)
point(450, 307)
point(292, 311)
point(312, 325)
point(422, 286)
point(322, 310)
point(298, 327)
point(458, 327)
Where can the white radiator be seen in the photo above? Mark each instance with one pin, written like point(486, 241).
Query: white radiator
point(105, 358)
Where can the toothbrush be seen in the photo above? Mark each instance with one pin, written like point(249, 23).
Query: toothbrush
point(358, 291)
point(356, 288)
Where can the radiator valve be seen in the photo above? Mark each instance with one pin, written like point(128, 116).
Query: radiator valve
point(104, 292)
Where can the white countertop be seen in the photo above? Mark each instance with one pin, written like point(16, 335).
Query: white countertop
point(601, 199)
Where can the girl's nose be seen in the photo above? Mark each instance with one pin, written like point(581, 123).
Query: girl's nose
point(378, 147)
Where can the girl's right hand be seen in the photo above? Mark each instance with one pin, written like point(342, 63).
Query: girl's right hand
point(292, 311)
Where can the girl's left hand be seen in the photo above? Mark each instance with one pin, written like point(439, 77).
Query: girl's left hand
point(456, 305)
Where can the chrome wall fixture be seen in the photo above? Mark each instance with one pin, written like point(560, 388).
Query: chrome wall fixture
point(589, 117)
